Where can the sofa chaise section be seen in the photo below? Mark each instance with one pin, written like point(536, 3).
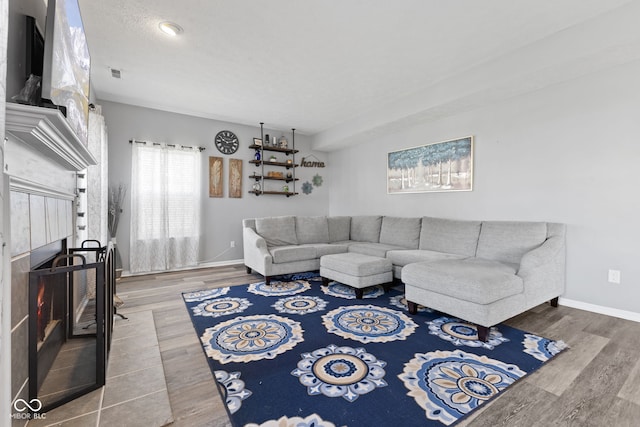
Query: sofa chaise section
point(517, 266)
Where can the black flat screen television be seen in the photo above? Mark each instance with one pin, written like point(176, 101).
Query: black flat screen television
point(66, 64)
point(35, 49)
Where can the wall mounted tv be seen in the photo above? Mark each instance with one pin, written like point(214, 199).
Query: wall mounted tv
point(35, 49)
point(66, 63)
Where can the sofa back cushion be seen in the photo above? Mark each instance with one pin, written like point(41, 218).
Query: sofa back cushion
point(339, 228)
point(277, 230)
point(312, 229)
point(403, 232)
point(507, 241)
point(366, 228)
point(449, 235)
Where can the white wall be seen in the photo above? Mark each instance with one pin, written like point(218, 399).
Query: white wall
point(221, 217)
point(5, 270)
point(568, 153)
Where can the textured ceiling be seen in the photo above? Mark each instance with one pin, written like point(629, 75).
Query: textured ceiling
point(342, 69)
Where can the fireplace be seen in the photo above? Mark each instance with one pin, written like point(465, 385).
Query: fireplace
point(69, 325)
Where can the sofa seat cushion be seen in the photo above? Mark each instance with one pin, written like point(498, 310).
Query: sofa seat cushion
point(404, 257)
point(373, 249)
point(282, 254)
point(327, 248)
point(354, 264)
point(475, 280)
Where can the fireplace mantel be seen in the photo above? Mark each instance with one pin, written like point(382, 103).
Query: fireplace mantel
point(47, 131)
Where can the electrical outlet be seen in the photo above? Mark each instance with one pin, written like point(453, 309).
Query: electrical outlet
point(232, 244)
point(614, 276)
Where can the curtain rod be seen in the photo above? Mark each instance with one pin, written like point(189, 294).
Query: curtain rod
point(131, 141)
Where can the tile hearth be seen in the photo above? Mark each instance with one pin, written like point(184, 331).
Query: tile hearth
point(136, 391)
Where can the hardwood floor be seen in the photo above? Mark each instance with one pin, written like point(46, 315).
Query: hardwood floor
point(594, 383)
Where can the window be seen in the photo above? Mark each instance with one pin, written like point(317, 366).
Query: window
point(165, 207)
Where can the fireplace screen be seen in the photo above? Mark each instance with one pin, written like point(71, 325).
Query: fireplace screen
point(70, 323)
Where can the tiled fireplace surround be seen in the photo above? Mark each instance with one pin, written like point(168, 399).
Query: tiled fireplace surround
point(42, 155)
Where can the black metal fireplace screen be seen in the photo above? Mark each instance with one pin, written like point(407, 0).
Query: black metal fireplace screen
point(70, 324)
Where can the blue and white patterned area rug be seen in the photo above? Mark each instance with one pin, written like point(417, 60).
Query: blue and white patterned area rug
point(296, 353)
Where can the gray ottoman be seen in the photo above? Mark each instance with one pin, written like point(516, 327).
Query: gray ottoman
point(356, 270)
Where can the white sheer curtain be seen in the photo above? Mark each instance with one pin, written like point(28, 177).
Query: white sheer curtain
point(165, 207)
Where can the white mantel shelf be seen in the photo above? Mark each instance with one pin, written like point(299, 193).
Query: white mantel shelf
point(47, 131)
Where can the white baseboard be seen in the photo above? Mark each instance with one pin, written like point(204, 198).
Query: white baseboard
point(622, 314)
point(127, 273)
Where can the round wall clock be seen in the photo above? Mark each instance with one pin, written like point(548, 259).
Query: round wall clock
point(227, 142)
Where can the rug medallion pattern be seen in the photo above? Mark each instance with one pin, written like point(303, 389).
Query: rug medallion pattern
point(345, 372)
point(245, 339)
point(297, 353)
point(368, 323)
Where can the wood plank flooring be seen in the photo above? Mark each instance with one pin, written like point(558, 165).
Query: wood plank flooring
point(594, 383)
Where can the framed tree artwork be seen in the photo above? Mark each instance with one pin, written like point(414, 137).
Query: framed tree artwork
point(235, 178)
point(215, 176)
point(440, 166)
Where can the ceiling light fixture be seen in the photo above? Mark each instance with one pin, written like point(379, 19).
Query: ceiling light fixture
point(170, 28)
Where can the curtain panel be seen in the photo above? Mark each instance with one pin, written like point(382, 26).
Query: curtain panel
point(165, 207)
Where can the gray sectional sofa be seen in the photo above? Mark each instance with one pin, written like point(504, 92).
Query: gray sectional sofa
point(481, 271)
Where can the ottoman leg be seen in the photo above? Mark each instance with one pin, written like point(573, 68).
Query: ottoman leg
point(483, 333)
point(248, 270)
point(413, 307)
point(359, 293)
point(325, 281)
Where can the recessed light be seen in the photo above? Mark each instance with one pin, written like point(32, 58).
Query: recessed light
point(170, 28)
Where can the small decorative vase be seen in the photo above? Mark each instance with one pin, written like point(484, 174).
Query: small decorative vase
point(285, 188)
point(118, 258)
point(282, 142)
point(257, 156)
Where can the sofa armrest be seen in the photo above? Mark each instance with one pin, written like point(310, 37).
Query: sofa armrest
point(256, 254)
point(552, 250)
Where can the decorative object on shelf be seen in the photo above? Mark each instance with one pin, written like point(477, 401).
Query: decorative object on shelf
point(289, 161)
point(215, 176)
point(267, 141)
point(227, 142)
point(307, 188)
point(257, 141)
point(285, 188)
point(440, 166)
point(235, 178)
point(256, 187)
point(273, 159)
point(275, 174)
point(257, 155)
point(282, 142)
point(289, 175)
point(317, 180)
point(115, 202)
point(311, 162)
